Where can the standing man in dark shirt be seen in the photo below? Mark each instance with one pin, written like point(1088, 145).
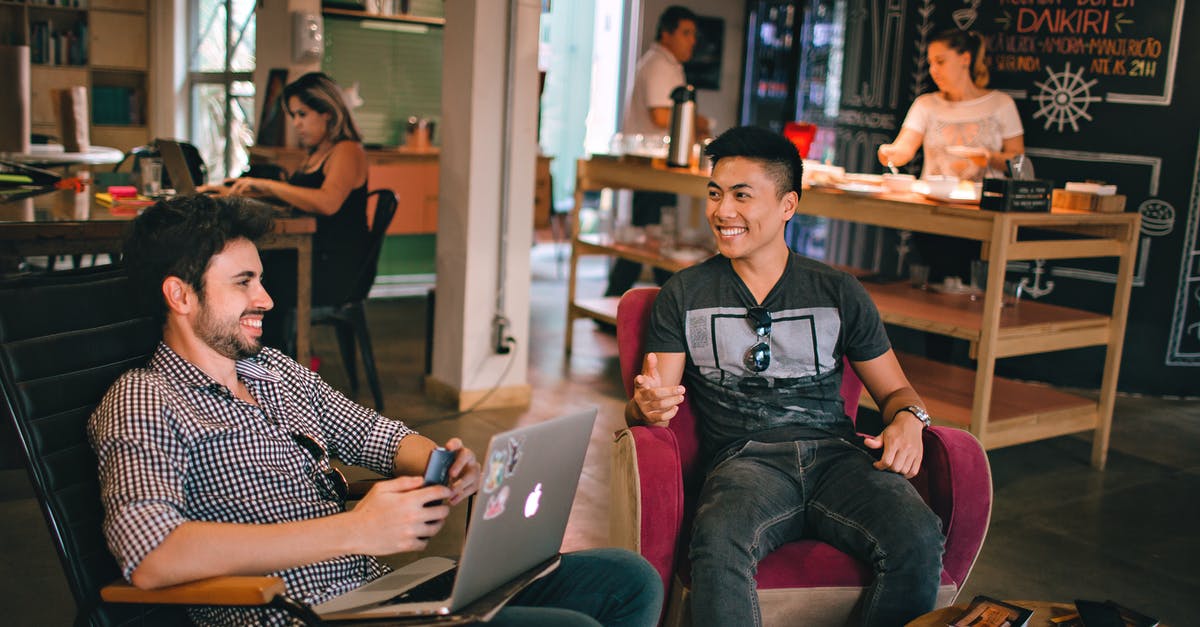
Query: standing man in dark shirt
point(758, 334)
point(215, 459)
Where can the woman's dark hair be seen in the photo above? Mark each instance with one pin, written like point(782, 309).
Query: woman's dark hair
point(778, 155)
point(971, 43)
point(321, 94)
point(178, 237)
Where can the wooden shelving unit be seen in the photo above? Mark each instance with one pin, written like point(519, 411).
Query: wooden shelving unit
point(115, 54)
point(998, 411)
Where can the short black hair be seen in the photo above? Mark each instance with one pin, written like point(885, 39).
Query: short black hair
point(178, 237)
point(778, 155)
point(669, 21)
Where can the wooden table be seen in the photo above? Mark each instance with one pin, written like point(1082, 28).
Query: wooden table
point(998, 411)
point(69, 223)
point(1043, 611)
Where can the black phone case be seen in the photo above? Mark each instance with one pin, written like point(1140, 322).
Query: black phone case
point(1098, 614)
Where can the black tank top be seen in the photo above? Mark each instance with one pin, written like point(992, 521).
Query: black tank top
point(345, 230)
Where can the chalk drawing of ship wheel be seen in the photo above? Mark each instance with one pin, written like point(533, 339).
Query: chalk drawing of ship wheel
point(1158, 217)
point(1065, 97)
point(964, 18)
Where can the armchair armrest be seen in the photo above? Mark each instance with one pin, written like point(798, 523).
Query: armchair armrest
point(213, 591)
point(956, 481)
point(647, 496)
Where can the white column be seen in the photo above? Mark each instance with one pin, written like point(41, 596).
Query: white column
point(488, 155)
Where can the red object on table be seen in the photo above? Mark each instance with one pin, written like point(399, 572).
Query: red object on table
point(122, 191)
point(801, 134)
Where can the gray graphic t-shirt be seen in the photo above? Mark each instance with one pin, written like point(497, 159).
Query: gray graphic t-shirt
point(818, 314)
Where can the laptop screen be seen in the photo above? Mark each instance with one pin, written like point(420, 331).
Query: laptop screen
point(176, 166)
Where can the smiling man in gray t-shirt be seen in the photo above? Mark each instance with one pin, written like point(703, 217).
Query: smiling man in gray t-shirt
point(758, 334)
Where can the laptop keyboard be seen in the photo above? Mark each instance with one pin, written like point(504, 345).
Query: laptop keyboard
point(434, 589)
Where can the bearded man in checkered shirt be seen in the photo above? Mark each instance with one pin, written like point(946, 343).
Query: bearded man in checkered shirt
point(214, 459)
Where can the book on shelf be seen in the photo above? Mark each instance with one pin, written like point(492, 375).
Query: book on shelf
point(985, 611)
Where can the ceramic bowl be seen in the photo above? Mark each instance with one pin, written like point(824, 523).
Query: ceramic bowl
point(941, 185)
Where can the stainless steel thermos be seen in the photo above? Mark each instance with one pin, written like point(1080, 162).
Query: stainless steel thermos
point(683, 126)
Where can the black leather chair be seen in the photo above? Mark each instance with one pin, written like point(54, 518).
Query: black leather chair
point(349, 318)
point(64, 339)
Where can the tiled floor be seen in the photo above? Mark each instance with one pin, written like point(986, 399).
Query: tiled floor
point(1059, 531)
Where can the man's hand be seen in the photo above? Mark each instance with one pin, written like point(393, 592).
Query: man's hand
point(393, 516)
point(901, 444)
point(656, 404)
point(464, 473)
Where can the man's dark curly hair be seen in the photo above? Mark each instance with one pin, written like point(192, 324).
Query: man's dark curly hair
point(774, 151)
point(178, 237)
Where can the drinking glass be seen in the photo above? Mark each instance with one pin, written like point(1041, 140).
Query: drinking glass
point(918, 275)
point(151, 177)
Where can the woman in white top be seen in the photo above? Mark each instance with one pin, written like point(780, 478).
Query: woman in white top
point(965, 129)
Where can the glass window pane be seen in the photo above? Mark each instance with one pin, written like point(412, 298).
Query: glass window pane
point(242, 129)
point(244, 27)
point(208, 127)
point(208, 39)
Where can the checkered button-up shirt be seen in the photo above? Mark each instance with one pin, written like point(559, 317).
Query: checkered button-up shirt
point(176, 446)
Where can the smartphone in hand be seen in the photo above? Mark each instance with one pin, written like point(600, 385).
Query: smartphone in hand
point(437, 471)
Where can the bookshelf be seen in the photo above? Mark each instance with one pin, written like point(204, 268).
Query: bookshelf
point(102, 45)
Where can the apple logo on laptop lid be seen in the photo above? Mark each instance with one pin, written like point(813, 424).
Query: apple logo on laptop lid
point(533, 501)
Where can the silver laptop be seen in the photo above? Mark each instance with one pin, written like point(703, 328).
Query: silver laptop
point(517, 522)
point(176, 166)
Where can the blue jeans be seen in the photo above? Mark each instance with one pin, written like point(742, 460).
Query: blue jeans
point(611, 587)
point(765, 495)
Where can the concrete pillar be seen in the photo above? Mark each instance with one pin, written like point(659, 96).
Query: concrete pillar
point(488, 155)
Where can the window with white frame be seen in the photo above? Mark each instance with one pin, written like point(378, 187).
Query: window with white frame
point(221, 36)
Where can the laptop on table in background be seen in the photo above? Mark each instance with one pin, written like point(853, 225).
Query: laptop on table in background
point(516, 528)
point(176, 166)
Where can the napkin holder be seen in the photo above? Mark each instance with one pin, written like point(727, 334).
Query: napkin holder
point(1017, 195)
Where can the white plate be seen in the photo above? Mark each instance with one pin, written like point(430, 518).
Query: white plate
point(860, 188)
point(960, 195)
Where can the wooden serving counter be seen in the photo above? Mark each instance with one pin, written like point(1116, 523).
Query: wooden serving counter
point(998, 411)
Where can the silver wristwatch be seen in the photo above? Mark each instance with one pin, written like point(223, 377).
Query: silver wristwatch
point(917, 411)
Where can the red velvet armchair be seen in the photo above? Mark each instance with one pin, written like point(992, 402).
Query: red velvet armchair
point(656, 478)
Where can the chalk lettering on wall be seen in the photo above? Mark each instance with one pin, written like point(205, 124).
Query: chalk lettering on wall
point(1064, 98)
point(921, 54)
point(965, 18)
point(874, 83)
point(1150, 166)
point(1158, 217)
point(1183, 344)
point(1133, 45)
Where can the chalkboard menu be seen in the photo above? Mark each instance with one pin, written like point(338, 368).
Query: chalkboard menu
point(1068, 54)
point(1102, 95)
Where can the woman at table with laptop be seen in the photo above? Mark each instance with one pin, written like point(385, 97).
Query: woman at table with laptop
point(331, 183)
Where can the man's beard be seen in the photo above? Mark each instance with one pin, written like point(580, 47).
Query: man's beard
point(224, 338)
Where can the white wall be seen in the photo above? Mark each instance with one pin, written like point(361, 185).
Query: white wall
point(274, 48)
point(723, 104)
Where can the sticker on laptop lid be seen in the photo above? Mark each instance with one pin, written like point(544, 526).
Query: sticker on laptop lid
point(496, 503)
point(497, 464)
point(516, 448)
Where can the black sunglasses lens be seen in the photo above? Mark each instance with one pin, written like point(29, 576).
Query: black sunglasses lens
point(757, 357)
point(760, 319)
point(335, 477)
point(309, 445)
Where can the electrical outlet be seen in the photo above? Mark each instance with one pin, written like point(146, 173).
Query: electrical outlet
point(501, 340)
